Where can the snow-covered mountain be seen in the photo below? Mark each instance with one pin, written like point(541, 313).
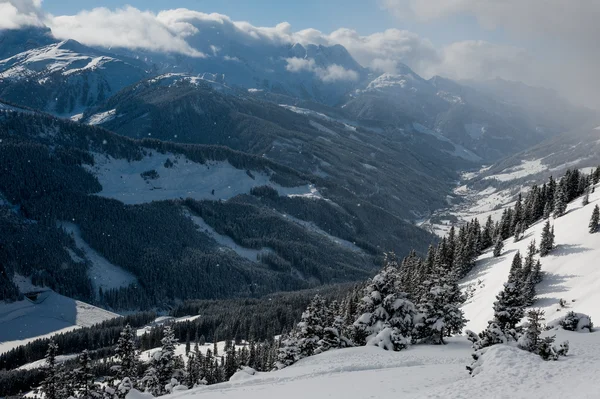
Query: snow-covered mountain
point(65, 77)
point(481, 121)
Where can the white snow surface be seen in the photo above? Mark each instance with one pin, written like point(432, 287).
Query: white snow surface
point(122, 180)
point(226, 242)
point(23, 321)
point(102, 273)
point(526, 168)
point(102, 117)
point(423, 371)
point(571, 270)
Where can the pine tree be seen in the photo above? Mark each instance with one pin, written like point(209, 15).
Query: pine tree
point(127, 354)
point(386, 313)
point(515, 273)
point(310, 328)
point(508, 308)
point(498, 246)
point(547, 241)
point(84, 378)
point(560, 201)
point(530, 340)
point(51, 384)
point(537, 272)
point(594, 225)
point(162, 364)
point(439, 310)
point(487, 234)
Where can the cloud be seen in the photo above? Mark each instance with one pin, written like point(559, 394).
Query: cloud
point(333, 73)
point(383, 51)
point(124, 27)
point(563, 36)
point(17, 13)
point(480, 60)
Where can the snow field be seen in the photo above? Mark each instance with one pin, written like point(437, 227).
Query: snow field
point(24, 321)
point(122, 180)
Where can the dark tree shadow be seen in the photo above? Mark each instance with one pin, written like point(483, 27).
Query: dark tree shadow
point(488, 263)
point(568, 249)
point(552, 283)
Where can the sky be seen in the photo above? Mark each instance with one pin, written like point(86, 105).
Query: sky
point(549, 43)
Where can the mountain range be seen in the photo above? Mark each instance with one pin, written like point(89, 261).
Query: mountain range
point(256, 165)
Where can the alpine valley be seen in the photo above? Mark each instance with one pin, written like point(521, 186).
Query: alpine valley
point(254, 204)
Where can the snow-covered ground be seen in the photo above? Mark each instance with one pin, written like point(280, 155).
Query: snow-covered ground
point(24, 321)
point(526, 168)
point(423, 371)
point(571, 270)
point(102, 273)
point(122, 180)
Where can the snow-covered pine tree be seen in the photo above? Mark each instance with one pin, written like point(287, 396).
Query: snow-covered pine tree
point(530, 340)
point(508, 308)
point(162, 364)
point(516, 272)
point(311, 325)
point(333, 334)
point(151, 382)
point(84, 378)
point(537, 272)
point(487, 234)
point(127, 354)
point(498, 246)
point(560, 200)
point(386, 313)
point(439, 310)
point(594, 225)
point(529, 275)
point(51, 384)
point(547, 241)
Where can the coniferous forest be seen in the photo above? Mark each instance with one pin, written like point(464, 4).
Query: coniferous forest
point(415, 300)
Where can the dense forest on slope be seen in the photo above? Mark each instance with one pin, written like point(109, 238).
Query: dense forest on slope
point(47, 179)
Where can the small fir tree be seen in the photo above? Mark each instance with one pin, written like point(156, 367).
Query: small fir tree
point(594, 225)
point(498, 246)
point(547, 241)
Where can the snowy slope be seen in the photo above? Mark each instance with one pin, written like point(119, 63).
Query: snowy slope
point(421, 372)
point(122, 180)
point(23, 321)
point(571, 270)
point(66, 77)
point(102, 273)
